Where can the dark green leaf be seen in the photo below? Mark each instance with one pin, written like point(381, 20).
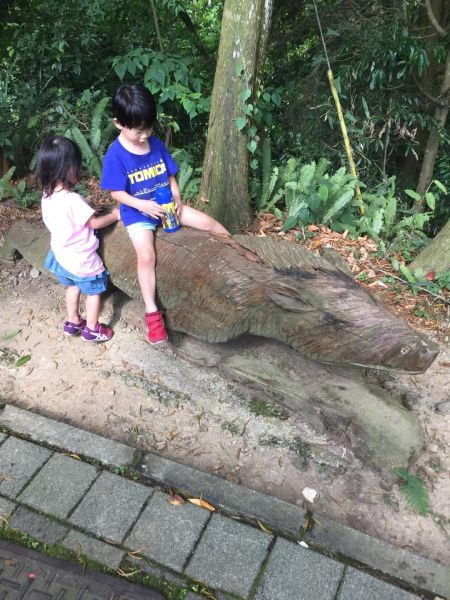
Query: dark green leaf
point(11, 334)
point(412, 194)
point(290, 223)
point(23, 360)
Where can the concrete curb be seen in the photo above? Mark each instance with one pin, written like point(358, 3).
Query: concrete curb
point(285, 519)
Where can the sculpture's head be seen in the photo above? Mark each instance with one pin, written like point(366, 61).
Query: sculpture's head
point(344, 325)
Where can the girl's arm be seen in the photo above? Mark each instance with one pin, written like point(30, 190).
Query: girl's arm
point(100, 221)
point(149, 207)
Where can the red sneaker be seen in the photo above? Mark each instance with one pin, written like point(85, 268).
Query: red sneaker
point(157, 332)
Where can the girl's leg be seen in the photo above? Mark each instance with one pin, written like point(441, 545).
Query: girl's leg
point(72, 297)
point(143, 242)
point(194, 218)
point(93, 305)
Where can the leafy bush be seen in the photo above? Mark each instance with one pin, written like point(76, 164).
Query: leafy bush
point(310, 194)
point(19, 192)
point(93, 143)
point(170, 77)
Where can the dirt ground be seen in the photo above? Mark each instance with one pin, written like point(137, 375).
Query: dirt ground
point(156, 400)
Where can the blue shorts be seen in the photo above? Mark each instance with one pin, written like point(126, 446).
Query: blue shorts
point(134, 228)
point(89, 286)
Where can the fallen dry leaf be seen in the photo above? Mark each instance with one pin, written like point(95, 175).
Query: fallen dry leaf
point(176, 500)
point(135, 553)
point(127, 575)
point(202, 503)
point(263, 528)
point(10, 562)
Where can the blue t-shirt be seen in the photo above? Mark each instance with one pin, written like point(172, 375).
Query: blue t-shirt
point(138, 175)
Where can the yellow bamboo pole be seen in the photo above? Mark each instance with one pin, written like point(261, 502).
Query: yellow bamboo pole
point(348, 148)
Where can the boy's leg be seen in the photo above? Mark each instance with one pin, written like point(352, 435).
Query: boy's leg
point(72, 297)
point(143, 242)
point(194, 218)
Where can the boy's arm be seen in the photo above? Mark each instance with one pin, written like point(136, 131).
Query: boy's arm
point(100, 221)
point(176, 194)
point(149, 207)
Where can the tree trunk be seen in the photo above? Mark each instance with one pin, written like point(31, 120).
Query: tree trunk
point(440, 115)
point(436, 256)
point(224, 186)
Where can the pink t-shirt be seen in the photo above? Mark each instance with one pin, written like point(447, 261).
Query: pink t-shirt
point(74, 244)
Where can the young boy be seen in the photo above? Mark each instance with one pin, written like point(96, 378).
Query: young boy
point(135, 165)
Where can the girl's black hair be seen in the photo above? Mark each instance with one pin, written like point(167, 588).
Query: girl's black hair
point(59, 160)
point(134, 106)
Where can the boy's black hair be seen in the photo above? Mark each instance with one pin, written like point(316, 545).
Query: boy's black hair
point(59, 160)
point(134, 106)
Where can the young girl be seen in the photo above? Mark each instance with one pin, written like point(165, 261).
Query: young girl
point(71, 222)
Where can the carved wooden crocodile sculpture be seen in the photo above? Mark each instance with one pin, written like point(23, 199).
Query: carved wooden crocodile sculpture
point(210, 289)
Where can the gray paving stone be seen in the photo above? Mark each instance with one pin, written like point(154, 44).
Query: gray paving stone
point(101, 552)
point(39, 527)
point(229, 555)
point(361, 586)
point(111, 506)
point(6, 507)
point(19, 461)
point(65, 437)
point(168, 533)
point(418, 571)
point(225, 495)
point(294, 572)
point(59, 485)
point(2, 437)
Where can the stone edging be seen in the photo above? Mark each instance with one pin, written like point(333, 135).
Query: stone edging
point(283, 517)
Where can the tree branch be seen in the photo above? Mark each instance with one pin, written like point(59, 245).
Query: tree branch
point(158, 33)
point(438, 100)
point(437, 26)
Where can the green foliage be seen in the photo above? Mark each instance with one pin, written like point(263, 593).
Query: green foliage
point(380, 213)
point(415, 491)
point(19, 192)
point(170, 77)
point(310, 194)
point(93, 142)
point(188, 183)
point(5, 182)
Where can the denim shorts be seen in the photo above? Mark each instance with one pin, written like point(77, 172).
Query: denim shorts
point(89, 286)
point(139, 226)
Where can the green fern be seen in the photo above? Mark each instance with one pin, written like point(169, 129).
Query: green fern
point(377, 223)
point(290, 171)
point(341, 202)
point(307, 173)
point(184, 175)
point(83, 144)
point(322, 167)
point(5, 182)
point(390, 211)
point(267, 175)
point(268, 199)
point(415, 491)
point(96, 131)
